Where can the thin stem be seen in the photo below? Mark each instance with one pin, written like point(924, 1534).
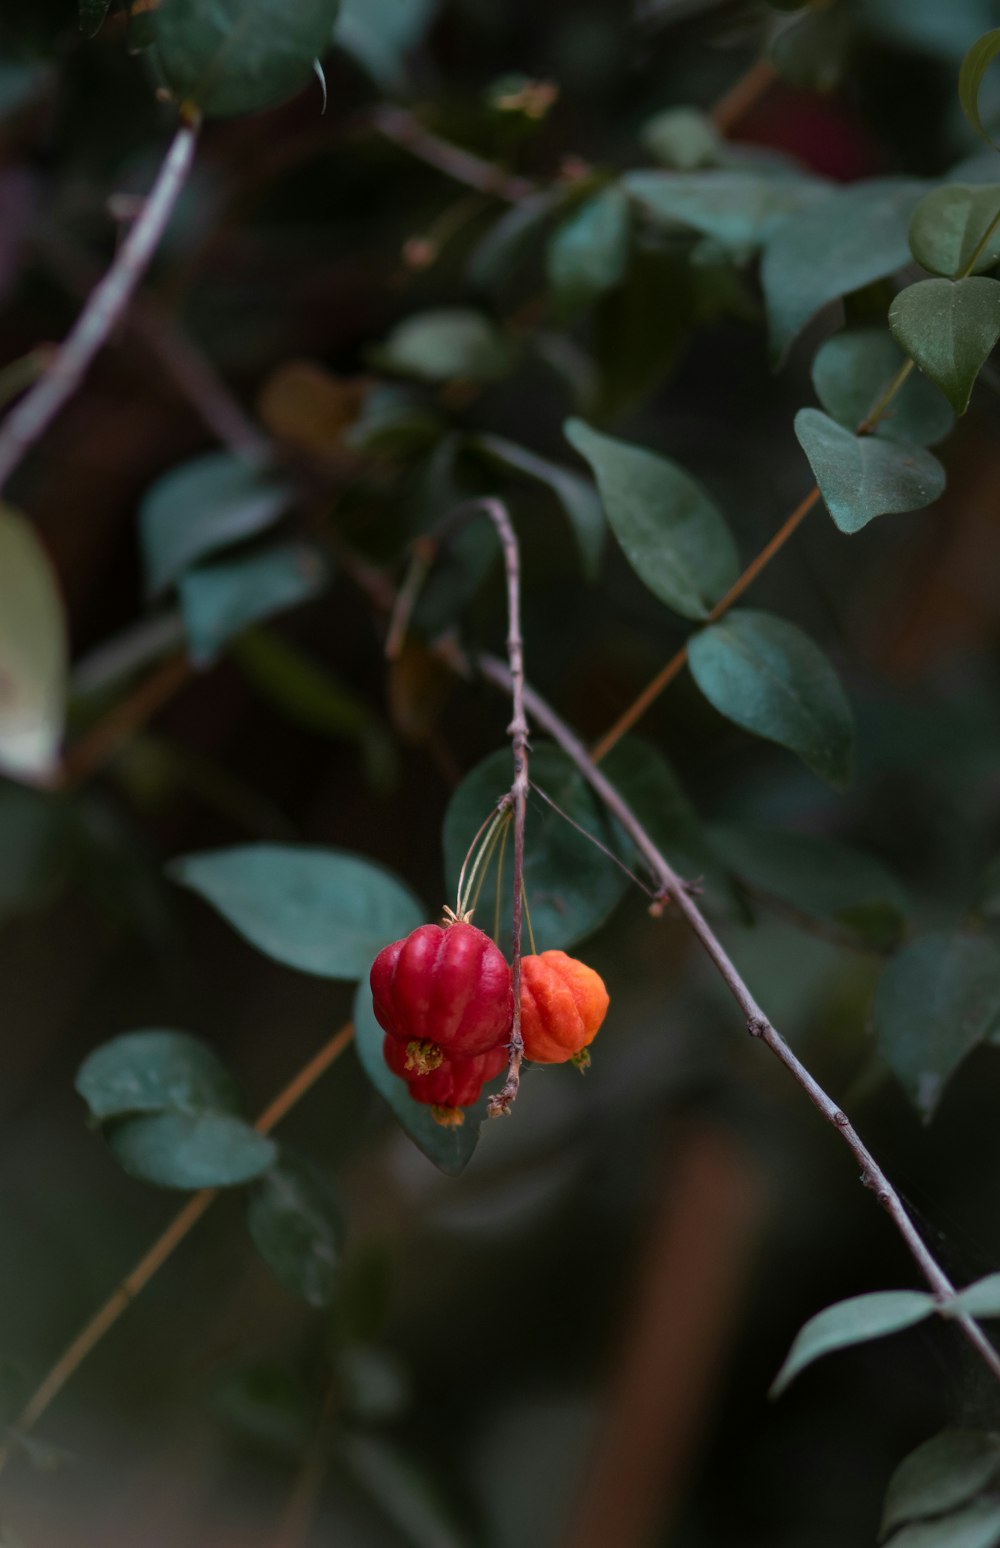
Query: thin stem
point(180, 1227)
point(487, 843)
point(101, 743)
point(527, 920)
point(107, 304)
point(304, 1500)
point(499, 897)
point(758, 1024)
point(405, 130)
point(585, 833)
point(499, 837)
point(743, 96)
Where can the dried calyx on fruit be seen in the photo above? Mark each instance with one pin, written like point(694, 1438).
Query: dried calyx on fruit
point(563, 1003)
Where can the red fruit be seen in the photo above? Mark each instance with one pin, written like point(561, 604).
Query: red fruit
point(455, 1082)
point(563, 1003)
point(447, 987)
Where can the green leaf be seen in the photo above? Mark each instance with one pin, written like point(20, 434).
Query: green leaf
point(810, 51)
point(380, 33)
point(860, 476)
point(935, 1002)
point(237, 56)
point(977, 1526)
point(641, 328)
point(296, 1224)
point(220, 600)
point(154, 1072)
point(847, 240)
point(588, 254)
point(981, 1299)
point(819, 877)
point(856, 1321)
point(950, 226)
point(740, 209)
point(34, 653)
point(92, 14)
point(450, 1149)
point(684, 138)
point(204, 505)
point(402, 1492)
point(451, 342)
point(572, 887)
point(577, 496)
point(323, 911)
point(268, 1405)
point(940, 1475)
point(182, 1150)
point(767, 676)
point(510, 241)
point(851, 372)
point(974, 66)
point(671, 532)
point(949, 327)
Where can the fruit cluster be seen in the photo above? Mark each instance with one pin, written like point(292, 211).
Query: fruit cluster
point(444, 998)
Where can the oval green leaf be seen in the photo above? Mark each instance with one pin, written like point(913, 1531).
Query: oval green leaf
point(202, 506)
point(34, 653)
point(940, 1475)
point(860, 476)
point(851, 372)
point(578, 498)
point(670, 530)
point(237, 56)
point(683, 138)
point(974, 66)
point(220, 600)
point(981, 1299)
point(767, 676)
point(977, 1526)
point(855, 1321)
point(934, 1003)
point(155, 1071)
point(184, 1150)
point(949, 328)
point(297, 1227)
point(442, 345)
point(954, 230)
point(380, 33)
point(739, 209)
point(323, 911)
point(588, 253)
point(572, 887)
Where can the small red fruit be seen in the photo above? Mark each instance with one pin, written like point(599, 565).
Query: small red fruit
point(563, 1003)
point(454, 1084)
point(443, 992)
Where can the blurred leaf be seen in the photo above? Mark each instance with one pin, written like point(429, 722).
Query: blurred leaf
point(297, 1227)
point(402, 1492)
point(237, 56)
point(852, 237)
point(268, 1405)
point(974, 66)
point(441, 345)
point(449, 1147)
point(154, 1072)
point(588, 253)
point(181, 1150)
point(852, 370)
point(572, 887)
point(684, 138)
point(861, 476)
point(977, 1526)
point(949, 327)
point(856, 1321)
point(940, 31)
point(641, 328)
point(34, 835)
point(420, 685)
point(739, 209)
point(308, 407)
point(940, 1475)
point(981, 1299)
point(219, 601)
point(810, 51)
point(671, 532)
point(767, 676)
point(92, 14)
point(393, 423)
point(33, 653)
point(822, 878)
point(576, 495)
point(510, 241)
point(204, 505)
point(373, 1385)
point(935, 1002)
point(380, 33)
point(323, 911)
point(948, 226)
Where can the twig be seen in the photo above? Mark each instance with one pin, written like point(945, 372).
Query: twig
point(180, 1227)
point(35, 412)
point(744, 95)
point(405, 130)
point(100, 744)
point(758, 1024)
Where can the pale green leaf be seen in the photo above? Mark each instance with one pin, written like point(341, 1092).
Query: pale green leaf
point(684, 138)
point(977, 1526)
point(852, 371)
point(155, 1071)
point(949, 327)
point(940, 1475)
point(955, 230)
point(452, 342)
point(981, 1299)
point(855, 1321)
point(380, 33)
point(974, 66)
point(190, 1150)
point(588, 253)
point(861, 477)
point(220, 600)
point(740, 209)
point(34, 653)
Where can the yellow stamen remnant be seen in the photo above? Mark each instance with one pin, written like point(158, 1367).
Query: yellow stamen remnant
point(448, 1117)
point(423, 1057)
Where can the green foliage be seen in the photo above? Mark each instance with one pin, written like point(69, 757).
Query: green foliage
point(935, 1002)
point(202, 506)
point(740, 209)
point(856, 1321)
point(949, 327)
point(196, 1150)
point(33, 651)
point(861, 477)
point(767, 676)
point(451, 342)
point(942, 1474)
point(975, 1526)
point(981, 1299)
point(852, 371)
point(670, 530)
point(322, 911)
point(380, 33)
point(954, 230)
point(811, 50)
point(588, 254)
point(974, 67)
point(576, 495)
point(237, 56)
point(684, 138)
point(219, 601)
point(571, 886)
point(297, 1227)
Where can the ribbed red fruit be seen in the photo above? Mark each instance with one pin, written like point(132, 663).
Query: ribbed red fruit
point(455, 1082)
point(447, 987)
